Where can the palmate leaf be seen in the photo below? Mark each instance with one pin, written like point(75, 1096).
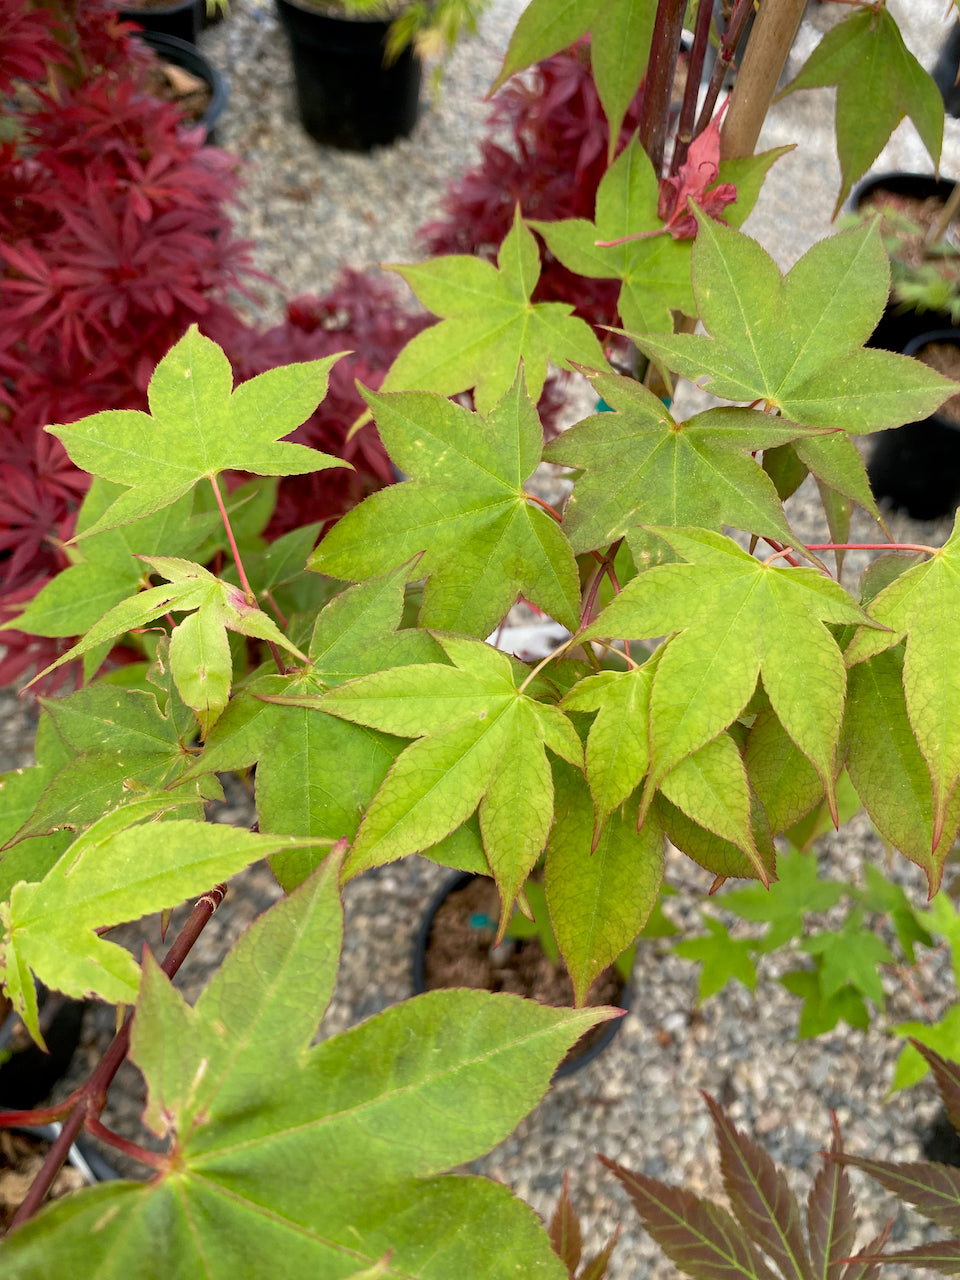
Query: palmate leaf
point(831, 1214)
point(199, 650)
point(198, 426)
point(316, 774)
point(599, 896)
point(888, 769)
point(699, 1237)
point(106, 569)
point(465, 509)
point(109, 742)
point(655, 269)
point(922, 605)
point(761, 1198)
point(797, 891)
point(104, 879)
point(796, 342)
point(640, 467)
point(315, 1163)
point(819, 1013)
point(29, 859)
point(849, 957)
point(737, 618)
point(545, 27)
point(710, 787)
point(480, 742)
point(865, 57)
point(620, 33)
point(783, 779)
point(722, 958)
point(488, 326)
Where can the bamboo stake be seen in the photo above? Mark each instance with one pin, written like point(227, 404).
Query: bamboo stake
point(773, 33)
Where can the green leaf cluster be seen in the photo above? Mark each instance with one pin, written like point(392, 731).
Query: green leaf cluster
point(719, 689)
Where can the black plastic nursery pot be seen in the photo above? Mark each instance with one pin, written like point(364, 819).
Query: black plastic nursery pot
point(182, 54)
point(346, 96)
point(917, 466)
point(585, 1050)
point(899, 326)
point(27, 1073)
point(183, 19)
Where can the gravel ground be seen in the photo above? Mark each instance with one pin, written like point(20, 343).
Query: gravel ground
point(309, 211)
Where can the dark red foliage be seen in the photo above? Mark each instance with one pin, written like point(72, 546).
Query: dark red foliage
point(113, 239)
point(558, 129)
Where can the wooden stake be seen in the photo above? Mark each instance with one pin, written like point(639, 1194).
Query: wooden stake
point(774, 30)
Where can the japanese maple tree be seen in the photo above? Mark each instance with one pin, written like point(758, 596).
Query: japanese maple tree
point(713, 689)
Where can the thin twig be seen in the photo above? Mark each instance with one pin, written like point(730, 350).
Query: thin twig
point(89, 1100)
point(244, 582)
point(688, 109)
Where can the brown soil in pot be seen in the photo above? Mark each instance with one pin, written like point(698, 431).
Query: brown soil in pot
point(175, 84)
point(924, 212)
point(945, 358)
point(21, 1156)
point(460, 954)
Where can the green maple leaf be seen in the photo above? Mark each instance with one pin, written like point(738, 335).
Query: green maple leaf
point(104, 879)
point(618, 749)
point(865, 57)
point(797, 890)
point(655, 270)
point(465, 509)
point(849, 957)
point(599, 895)
point(489, 326)
point(105, 568)
point(545, 27)
point(198, 426)
point(888, 769)
point(480, 742)
point(922, 605)
point(819, 1013)
point(108, 741)
point(315, 1162)
point(639, 466)
point(199, 651)
point(316, 773)
point(709, 786)
point(724, 959)
point(795, 342)
point(737, 619)
point(29, 859)
point(784, 780)
point(943, 1037)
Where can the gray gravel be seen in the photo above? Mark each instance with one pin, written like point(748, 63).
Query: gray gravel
point(310, 210)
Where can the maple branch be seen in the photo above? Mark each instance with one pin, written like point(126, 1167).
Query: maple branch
point(594, 587)
point(244, 582)
point(871, 546)
point(665, 48)
point(688, 109)
point(728, 45)
point(88, 1101)
point(268, 596)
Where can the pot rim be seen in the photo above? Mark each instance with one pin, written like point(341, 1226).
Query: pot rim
point(459, 880)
